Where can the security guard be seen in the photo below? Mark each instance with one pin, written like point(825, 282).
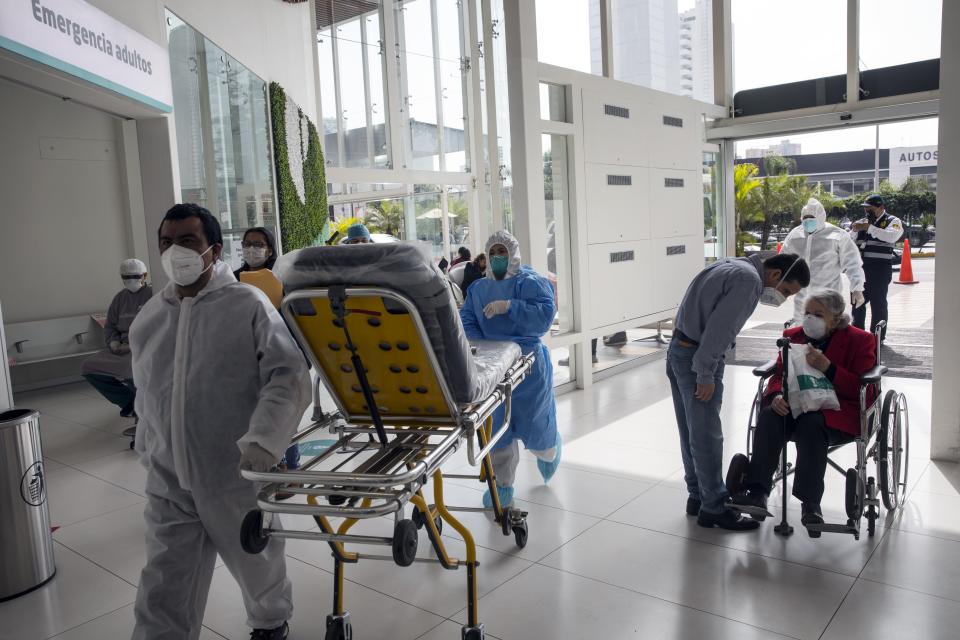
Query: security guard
point(876, 236)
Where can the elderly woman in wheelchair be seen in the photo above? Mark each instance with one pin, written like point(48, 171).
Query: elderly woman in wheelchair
point(843, 355)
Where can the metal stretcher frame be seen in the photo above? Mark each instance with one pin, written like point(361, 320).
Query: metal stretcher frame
point(393, 473)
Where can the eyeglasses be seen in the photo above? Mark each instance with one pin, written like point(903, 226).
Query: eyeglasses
point(256, 245)
point(133, 277)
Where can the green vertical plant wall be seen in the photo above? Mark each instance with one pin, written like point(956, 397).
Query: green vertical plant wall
point(301, 179)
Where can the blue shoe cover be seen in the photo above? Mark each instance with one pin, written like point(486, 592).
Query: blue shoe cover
point(547, 469)
point(504, 493)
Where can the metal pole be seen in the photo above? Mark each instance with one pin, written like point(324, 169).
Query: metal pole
point(784, 528)
point(876, 162)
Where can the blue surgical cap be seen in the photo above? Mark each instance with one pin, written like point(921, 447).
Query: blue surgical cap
point(358, 231)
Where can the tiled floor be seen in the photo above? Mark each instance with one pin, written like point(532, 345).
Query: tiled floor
point(611, 554)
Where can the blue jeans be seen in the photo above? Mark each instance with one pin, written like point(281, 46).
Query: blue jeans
point(701, 434)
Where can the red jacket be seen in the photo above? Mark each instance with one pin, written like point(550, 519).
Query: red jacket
point(854, 352)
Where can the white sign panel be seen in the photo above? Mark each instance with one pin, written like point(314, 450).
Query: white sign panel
point(902, 159)
point(81, 40)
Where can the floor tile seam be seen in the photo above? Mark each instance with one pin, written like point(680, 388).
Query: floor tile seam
point(77, 626)
point(624, 477)
point(97, 564)
point(453, 618)
point(432, 629)
point(100, 515)
point(68, 420)
point(539, 504)
point(669, 601)
point(911, 589)
point(87, 473)
point(723, 546)
point(539, 561)
point(921, 533)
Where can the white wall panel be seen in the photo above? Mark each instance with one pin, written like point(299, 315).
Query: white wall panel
point(617, 211)
point(620, 289)
point(673, 262)
point(675, 210)
point(615, 139)
point(671, 132)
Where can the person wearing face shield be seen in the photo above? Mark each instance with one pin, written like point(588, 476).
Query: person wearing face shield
point(843, 353)
point(221, 387)
point(829, 252)
point(876, 236)
point(110, 371)
point(513, 302)
point(714, 309)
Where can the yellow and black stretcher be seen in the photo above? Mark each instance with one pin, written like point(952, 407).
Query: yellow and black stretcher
point(383, 333)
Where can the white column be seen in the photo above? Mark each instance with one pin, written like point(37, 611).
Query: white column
point(529, 213)
point(945, 427)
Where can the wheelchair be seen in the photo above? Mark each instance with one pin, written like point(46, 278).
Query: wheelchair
point(884, 440)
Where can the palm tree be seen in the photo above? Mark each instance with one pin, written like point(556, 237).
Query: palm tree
point(386, 216)
point(744, 182)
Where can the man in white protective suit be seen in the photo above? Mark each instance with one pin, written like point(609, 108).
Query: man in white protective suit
point(221, 385)
point(829, 252)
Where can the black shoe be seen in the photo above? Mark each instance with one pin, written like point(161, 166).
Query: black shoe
point(752, 503)
point(810, 514)
point(729, 520)
point(280, 633)
point(693, 506)
point(127, 411)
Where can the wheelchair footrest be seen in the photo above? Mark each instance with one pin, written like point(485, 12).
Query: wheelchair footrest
point(828, 527)
point(756, 512)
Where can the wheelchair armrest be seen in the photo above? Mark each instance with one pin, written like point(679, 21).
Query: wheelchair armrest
point(766, 370)
point(873, 375)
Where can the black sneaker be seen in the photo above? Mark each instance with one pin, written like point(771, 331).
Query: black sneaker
point(280, 633)
point(729, 520)
point(810, 514)
point(693, 506)
point(752, 503)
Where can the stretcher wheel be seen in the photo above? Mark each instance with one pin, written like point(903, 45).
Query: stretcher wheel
point(336, 500)
point(893, 449)
point(520, 535)
point(854, 495)
point(472, 633)
point(420, 522)
point(737, 473)
point(405, 543)
point(252, 538)
point(339, 628)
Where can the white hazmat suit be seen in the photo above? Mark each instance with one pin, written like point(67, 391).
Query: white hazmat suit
point(214, 372)
point(829, 252)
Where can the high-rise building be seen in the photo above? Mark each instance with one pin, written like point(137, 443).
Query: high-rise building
point(784, 148)
point(696, 52)
point(646, 48)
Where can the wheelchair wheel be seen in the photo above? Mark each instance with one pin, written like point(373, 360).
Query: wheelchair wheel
point(737, 474)
point(405, 543)
point(893, 450)
point(252, 538)
point(854, 495)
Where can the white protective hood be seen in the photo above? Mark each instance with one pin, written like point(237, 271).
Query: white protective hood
point(813, 209)
point(513, 246)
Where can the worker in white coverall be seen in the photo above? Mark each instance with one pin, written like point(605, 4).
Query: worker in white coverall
point(221, 385)
point(829, 252)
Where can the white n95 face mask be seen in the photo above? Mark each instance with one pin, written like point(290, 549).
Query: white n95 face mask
point(254, 256)
point(814, 327)
point(183, 266)
point(809, 225)
point(772, 297)
point(133, 285)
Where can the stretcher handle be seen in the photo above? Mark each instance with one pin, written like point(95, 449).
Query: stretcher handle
point(476, 457)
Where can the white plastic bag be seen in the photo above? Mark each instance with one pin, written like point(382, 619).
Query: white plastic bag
point(808, 389)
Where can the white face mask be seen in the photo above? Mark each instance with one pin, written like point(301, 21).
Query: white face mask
point(133, 285)
point(772, 297)
point(809, 225)
point(814, 327)
point(183, 266)
point(254, 256)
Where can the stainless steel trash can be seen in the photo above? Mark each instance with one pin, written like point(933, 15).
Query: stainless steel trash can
point(26, 546)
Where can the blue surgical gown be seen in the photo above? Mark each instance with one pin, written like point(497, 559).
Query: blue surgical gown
point(532, 309)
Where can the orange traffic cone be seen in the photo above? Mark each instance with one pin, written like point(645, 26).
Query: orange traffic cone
point(906, 266)
point(779, 247)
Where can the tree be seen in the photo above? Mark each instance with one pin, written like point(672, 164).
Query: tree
point(744, 206)
point(777, 195)
point(386, 216)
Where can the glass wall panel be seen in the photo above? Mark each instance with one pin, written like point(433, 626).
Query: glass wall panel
point(453, 86)
point(223, 143)
point(553, 102)
point(556, 194)
point(666, 45)
point(418, 82)
point(353, 110)
point(503, 166)
point(894, 32)
point(378, 103)
point(779, 42)
point(712, 221)
point(328, 99)
point(568, 34)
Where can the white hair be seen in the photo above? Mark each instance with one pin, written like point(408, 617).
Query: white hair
point(834, 302)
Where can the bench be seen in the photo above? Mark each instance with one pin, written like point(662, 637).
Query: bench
point(43, 353)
